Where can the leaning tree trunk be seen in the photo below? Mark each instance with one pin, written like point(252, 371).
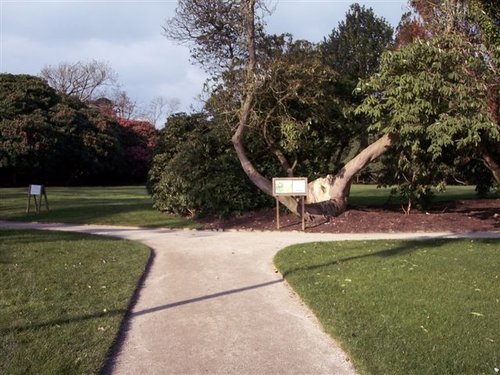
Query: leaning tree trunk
point(490, 163)
point(326, 196)
point(329, 195)
point(246, 106)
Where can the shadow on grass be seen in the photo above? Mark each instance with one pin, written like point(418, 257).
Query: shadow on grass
point(15, 236)
point(406, 248)
point(82, 212)
point(60, 322)
point(105, 212)
point(117, 346)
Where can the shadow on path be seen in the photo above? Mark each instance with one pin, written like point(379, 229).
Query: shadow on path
point(203, 298)
point(117, 346)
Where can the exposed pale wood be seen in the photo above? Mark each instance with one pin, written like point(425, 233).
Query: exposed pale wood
point(492, 165)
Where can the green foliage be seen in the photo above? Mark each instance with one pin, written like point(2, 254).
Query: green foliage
point(298, 110)
point(355, 47)
point(354, 50)
point(63, 298)
point(48, 138)
point(195, 171)
point(404, 307)
point(487, 15)
point(434, 95)
point(51, 138)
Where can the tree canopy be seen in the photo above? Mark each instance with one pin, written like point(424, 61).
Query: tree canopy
point(281, 88)
point(354, 48)
point(51, 138)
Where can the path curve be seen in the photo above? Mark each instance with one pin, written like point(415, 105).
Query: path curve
point(212, 303)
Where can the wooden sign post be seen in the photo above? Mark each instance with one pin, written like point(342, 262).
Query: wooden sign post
point(289, 186)
point(37, 191)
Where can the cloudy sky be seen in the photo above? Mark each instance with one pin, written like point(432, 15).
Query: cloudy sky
point(128, 36)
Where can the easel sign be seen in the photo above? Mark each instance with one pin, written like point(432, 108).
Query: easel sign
point(290, 187)
point(35, 191)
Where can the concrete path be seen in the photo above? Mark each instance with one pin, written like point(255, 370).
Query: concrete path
point(212, 303)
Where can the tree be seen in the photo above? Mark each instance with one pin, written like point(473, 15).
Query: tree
point(425, 92)
point(81, 79)
point(355, 47)
point(122, 105)
point(297, 110)
point(25, 133)
point(159, 109)
point(51, 138)
point(473, 30)
point(214, 185)
point(326, 195)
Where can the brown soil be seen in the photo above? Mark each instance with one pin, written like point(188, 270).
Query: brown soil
point(458, 216)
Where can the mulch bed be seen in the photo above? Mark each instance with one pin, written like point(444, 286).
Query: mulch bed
point(458, 216)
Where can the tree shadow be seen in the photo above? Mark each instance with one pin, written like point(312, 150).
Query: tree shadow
point(117, 346)
point(123, 328)
point(79, 212)
point(60, 322)
point(406, 247)
point(204, 298)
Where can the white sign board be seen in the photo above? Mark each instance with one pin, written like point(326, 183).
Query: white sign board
point(35, 190)
point(289, 186)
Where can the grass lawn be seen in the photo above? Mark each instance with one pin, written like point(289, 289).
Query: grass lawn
point(404, 307)
point(370, 195)
point(123, 205)
point(131, 205)
point(62, 299)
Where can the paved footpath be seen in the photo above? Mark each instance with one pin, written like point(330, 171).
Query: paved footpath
point(212, 303)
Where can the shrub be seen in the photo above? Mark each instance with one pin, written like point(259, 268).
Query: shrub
point(195, 171)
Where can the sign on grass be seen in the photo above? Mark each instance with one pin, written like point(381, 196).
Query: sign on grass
point(289, 186)
point(35, 190)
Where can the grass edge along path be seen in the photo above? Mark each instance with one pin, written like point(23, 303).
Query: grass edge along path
point(110, 205)
point(132, 205)
point(404, 307)
point(63, 299)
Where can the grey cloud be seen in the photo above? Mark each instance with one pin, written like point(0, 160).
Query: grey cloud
point(127, 35)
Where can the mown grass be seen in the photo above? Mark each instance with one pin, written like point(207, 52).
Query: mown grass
point(370, 195)
point(131, 205)
point(62, 299)
point(404, 307)
point(123, 205)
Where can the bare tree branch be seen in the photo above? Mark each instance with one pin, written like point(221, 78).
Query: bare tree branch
point(81, 79)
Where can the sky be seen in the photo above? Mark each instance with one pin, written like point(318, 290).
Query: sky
point(127, 35)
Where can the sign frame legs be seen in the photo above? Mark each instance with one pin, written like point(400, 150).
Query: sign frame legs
point(40, 192)
point(301, 215)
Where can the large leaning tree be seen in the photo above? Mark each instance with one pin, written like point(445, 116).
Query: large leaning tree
point(228, 39)
point(229, 34)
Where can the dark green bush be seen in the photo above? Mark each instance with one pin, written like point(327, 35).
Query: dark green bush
point(195, 171)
